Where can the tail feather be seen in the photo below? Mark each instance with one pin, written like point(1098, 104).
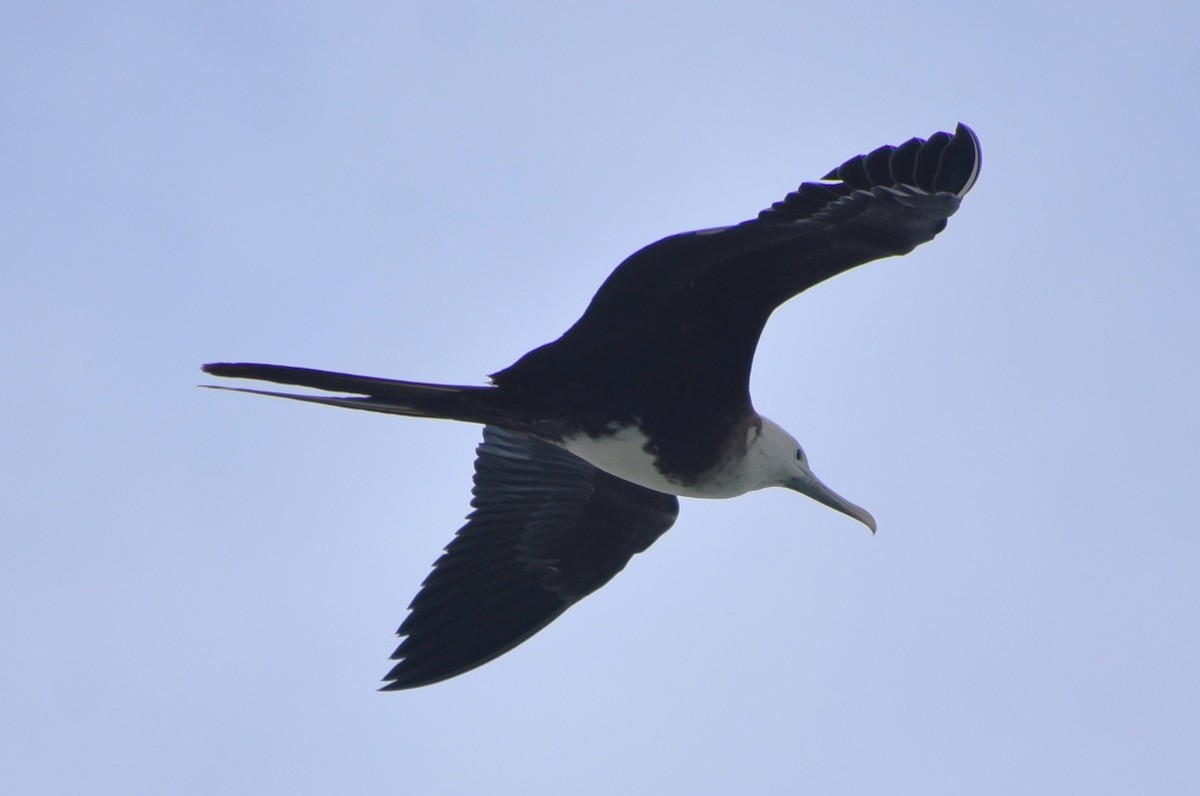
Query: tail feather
point(391, 396)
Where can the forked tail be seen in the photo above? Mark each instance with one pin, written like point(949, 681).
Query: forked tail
point(415, 399)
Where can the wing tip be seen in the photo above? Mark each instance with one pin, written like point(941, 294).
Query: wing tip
point(965, 137)
point(399, 679)
point(956, 169)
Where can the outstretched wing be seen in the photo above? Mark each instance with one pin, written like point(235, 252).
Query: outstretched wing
point(882, 204)
point(705, 296)
point(547, 530)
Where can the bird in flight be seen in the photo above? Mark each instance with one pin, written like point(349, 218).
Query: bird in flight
point(589, 440)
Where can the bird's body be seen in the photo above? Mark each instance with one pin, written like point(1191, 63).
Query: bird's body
point(589, 439)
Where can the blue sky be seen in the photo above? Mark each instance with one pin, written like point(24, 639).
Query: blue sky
point(198, 590)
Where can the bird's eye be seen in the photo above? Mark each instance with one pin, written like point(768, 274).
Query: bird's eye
point(799, 454)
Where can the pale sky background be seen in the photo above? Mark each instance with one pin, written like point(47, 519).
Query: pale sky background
point(198, 590)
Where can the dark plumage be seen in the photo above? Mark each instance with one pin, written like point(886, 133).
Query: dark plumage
point(589, 439)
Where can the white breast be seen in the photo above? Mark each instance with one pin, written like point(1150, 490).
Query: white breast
point(624, 454)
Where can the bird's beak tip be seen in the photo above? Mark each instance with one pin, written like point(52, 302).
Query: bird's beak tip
point(860, 514)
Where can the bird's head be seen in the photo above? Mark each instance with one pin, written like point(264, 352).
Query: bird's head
point(790, 469)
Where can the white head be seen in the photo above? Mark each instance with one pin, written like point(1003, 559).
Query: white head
point(781, 460)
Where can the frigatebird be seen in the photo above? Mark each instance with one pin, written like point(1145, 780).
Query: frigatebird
point(589, 440)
